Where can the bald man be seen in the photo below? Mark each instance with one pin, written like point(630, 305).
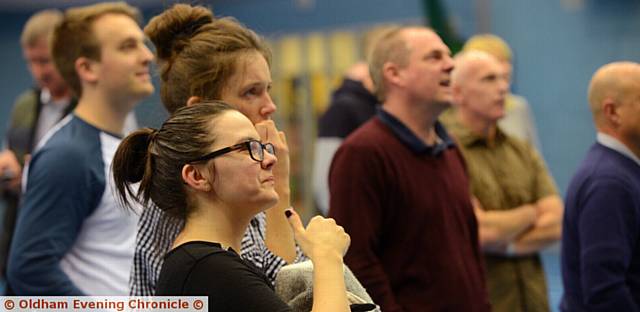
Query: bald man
point(517, 205)
point(601, 236)
point(518, 120)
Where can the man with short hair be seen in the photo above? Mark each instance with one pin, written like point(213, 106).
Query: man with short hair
point(34, 113)
point(399, 187)
point(72, 237)
point(517, 206)
point(600, 238)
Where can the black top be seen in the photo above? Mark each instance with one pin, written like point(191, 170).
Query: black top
point(205, 269)
point(351, 106)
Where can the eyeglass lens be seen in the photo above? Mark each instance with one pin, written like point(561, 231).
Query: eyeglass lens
point(257, 150)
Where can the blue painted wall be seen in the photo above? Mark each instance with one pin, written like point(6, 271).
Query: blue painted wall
point(14, 76)
point(282, 16)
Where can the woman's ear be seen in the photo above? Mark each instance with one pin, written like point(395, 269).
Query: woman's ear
point(193, 100)
point(192, 176)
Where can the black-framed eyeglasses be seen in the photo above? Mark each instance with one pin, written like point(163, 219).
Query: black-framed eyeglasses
point(256, 150)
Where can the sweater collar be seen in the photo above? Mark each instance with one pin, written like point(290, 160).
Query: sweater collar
point(617, 146)
point(408, 138)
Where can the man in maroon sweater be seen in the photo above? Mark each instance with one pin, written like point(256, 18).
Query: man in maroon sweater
point(399, 187)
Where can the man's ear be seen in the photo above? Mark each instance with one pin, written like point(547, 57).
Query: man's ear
point(192, 176)
point(86, 69)
point(194, 100)
point(611, 112)
point(391, 73)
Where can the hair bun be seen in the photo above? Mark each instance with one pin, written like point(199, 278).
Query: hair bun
point(136, 155)
point(171, 31)
point(132, 163)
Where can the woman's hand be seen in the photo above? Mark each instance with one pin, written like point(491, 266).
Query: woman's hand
point(325, 243)
point(279, 237)
point(322, 238)
point(10, 171)
point(270, 134)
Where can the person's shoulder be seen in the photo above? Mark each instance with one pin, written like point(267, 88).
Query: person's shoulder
point(204, 260)
point(230, 282)
point(603, 161)
point(523, 148)
point(604, 168)
point(369, 134)
point(59, 165)
point(204, 254)
point(74, 131)
point(518, 143)
point(26, 102)
point(59, 151)
point(193, 256)
point(604, 179)
point(29, 96)
point(371, 144)
point(67, 146)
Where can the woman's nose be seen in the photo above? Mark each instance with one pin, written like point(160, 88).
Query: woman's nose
point(269, 160)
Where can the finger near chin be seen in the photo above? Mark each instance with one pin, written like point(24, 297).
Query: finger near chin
point(262, 130)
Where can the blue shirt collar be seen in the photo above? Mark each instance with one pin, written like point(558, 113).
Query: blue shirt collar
point(407, 137)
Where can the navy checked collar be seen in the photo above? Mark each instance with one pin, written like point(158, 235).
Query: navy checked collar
point(408, 138)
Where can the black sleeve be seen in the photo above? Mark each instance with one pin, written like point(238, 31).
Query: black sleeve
point(232, 285)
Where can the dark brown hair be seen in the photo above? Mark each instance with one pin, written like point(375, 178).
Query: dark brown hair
point(197, 53)
point(155, 157)
point(74, 37)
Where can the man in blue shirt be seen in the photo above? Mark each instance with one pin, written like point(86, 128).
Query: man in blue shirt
point(72, 237)
point(601, 232)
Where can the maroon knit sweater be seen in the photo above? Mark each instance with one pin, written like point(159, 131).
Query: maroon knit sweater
point(414, 241)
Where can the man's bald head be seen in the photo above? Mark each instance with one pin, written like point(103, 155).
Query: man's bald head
point(613, 84)
point(479, 87)
point(466, 63)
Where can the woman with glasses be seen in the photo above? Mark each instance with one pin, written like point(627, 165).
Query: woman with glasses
point(208, 166)
point(203, 58)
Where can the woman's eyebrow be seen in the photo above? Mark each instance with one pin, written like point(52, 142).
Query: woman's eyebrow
point(247, 138)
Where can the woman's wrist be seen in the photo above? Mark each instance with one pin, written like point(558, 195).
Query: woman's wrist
point(326, 256)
